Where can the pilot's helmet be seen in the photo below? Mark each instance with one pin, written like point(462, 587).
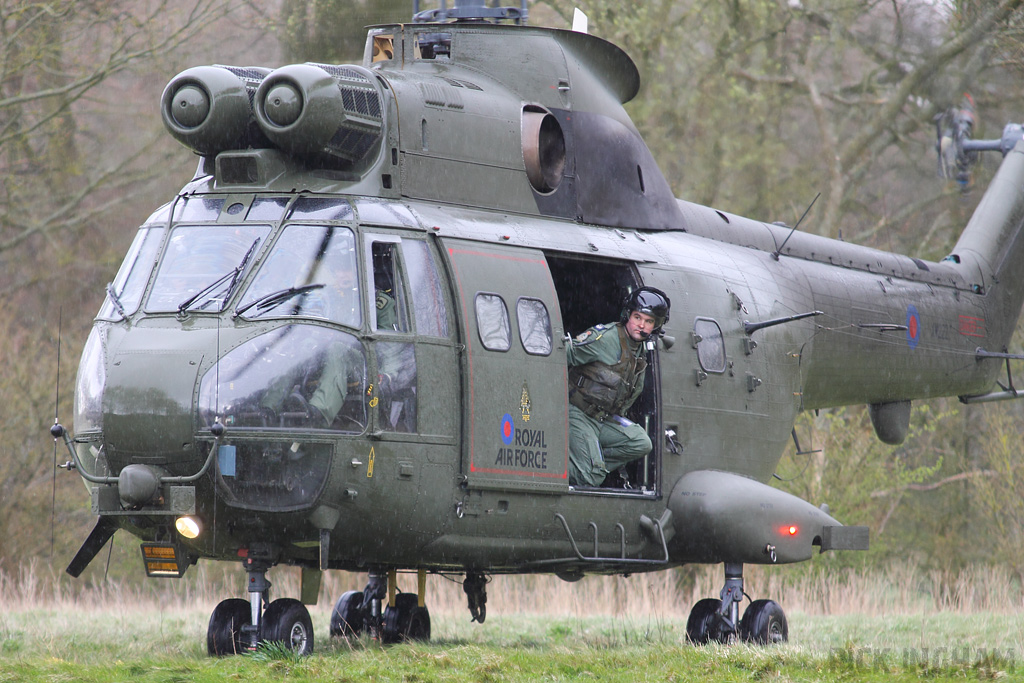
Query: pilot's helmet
point(649, 301)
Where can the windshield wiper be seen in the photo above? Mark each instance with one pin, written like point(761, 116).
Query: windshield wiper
point(268, 301)
point(241, 268)
point(116, 300)
point(234, 275)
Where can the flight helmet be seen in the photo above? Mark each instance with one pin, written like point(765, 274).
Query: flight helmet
point(649, 301)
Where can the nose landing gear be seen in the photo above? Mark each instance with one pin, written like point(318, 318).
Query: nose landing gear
point(238, 626)
point(763, 622)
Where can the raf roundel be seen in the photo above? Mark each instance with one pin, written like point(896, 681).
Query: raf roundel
point(508, 429)
point(913, 326)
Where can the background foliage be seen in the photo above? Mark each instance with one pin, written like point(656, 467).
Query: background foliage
point(752, 106)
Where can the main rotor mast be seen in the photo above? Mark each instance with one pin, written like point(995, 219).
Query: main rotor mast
point(469, 10)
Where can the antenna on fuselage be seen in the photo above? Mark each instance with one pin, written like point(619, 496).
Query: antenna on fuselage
point(778, 252)
point(56, 421)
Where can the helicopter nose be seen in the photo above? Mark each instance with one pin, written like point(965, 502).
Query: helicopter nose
point(148, 404)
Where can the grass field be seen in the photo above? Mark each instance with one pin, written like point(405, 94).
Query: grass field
point(538, 629)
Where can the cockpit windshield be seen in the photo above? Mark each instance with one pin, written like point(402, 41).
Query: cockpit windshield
point(311, 272)
point(203, 260)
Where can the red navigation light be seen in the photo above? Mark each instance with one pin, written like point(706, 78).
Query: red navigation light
point(792, 529)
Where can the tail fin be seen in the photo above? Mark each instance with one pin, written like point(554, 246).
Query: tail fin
point(991, 249)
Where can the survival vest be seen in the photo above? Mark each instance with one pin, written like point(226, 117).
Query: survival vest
point(600, 390)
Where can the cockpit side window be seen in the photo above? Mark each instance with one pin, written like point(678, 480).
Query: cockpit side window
point(396, 387)
point(126, 289)
point(391, 308)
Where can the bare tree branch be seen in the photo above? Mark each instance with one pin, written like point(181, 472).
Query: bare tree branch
point(934, 485)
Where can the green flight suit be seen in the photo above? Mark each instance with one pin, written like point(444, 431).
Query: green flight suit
point(340, 374)
point(602, 442)
point(343, 371)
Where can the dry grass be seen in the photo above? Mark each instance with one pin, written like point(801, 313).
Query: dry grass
point(901, 589)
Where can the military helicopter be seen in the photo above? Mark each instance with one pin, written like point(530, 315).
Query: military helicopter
point(341, 345)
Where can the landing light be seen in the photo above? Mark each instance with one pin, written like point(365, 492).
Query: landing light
point(187, 526)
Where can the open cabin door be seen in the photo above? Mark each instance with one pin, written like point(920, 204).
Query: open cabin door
point(592, 291)
point(516, 401)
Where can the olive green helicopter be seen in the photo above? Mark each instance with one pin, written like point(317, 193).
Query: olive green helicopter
point(343, 344)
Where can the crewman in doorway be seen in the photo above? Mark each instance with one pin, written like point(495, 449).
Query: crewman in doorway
point(606, 375)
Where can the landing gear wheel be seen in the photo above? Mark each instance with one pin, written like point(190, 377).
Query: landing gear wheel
point(764, 623)
point(406, 620)
point(287, 621)
point(347, 616)
point(703, 624)
point(224, 634)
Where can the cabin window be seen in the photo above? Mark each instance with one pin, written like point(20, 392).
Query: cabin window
point(310, 271)
point(710, 345)
point(534, 326)
point(492, 322)
point(383, 47)
point(427, 294)
point(126, 290)
point(433, 45)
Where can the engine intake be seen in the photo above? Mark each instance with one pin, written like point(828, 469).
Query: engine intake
point(209, 108)
point(331, 113)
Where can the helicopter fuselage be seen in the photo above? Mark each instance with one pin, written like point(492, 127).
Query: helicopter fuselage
point(342, 346)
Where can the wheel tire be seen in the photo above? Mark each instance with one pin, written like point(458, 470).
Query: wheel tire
point(406, 620)
point(764, 623)
point(418, 625)
point(702, 625)
point(224, 634)
point(347, 615)
point(287, 621)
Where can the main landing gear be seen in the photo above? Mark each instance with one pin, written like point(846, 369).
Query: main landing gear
point(763, 622)
point(404, 617)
